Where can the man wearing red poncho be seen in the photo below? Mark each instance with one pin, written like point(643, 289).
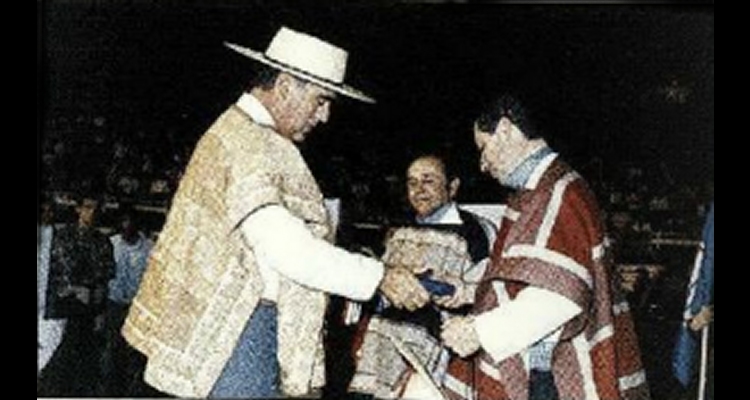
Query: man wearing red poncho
point(548, 322)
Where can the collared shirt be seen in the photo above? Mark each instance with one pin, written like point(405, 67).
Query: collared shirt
point(255, 109)
point(539, 169)
point(445, 214)
point(521, 175)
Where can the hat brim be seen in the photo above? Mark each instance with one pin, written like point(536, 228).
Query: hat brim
point(343, 89)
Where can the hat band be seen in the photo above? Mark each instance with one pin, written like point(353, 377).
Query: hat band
point(303, 72)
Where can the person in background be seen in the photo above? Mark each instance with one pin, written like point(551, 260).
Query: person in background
point(233, 300)
point(698, 318)
point(453, 247)
point(548, 320)
point(81, 264)
point(123, 365)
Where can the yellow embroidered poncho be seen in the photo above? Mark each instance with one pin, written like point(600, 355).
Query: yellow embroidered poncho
point(202, 282)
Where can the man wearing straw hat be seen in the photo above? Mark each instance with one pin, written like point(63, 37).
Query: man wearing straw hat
point(232, 303)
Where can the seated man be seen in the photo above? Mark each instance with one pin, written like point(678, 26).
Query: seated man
point(401, 355)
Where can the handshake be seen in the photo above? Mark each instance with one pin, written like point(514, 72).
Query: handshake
point(404, 289)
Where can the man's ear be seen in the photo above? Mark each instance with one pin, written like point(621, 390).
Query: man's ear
point(453, 187)
point(283, 85)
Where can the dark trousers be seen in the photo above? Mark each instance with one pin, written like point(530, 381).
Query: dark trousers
point(73, 371)
point(542, 385)
point(122, 365)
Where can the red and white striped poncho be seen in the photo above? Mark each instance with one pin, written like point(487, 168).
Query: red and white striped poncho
point(552, 237)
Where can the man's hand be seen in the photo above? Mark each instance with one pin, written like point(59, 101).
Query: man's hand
point(463, 295)
point(403, 289)
point(458, 334)
point(703, 318)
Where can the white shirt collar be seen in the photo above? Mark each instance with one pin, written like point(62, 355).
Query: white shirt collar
point(255, 109)
point(447, 214)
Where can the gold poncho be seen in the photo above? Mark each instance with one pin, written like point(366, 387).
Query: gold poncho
point(202, 282)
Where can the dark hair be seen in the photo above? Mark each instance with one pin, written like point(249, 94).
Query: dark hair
point(265, 77)
point(508, 106)
point(127, 209)
point(83, 192)
point(87, 189)
point(445, 163)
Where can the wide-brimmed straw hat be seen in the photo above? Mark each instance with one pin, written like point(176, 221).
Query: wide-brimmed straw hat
point(308, 58)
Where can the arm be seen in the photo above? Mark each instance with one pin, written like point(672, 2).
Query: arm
point(512, 327)
point(282, 242)
point(515, 326)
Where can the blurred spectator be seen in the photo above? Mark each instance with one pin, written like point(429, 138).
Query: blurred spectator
point(123, 365)
point(630, 243)
point(81, 263)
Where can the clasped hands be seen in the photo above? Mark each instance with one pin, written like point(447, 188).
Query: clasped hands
point(402, 288)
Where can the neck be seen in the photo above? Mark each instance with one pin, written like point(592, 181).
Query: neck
point(270, 100)
point(529, 157)
point(263, 96)
point(531, 147)
point(131, 237)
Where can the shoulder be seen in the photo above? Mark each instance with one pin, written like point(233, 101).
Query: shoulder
point(468, 217)
point(239, 138)
point(560, 183)
point(480, 233)
point(64, 233)
point(476, 221)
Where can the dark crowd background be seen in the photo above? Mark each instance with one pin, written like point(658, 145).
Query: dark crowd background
point(625, 92)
